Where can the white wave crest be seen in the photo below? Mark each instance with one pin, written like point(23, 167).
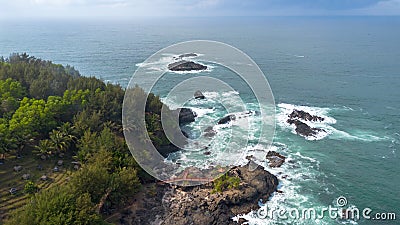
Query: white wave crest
point(326, 125)
point(162, 64)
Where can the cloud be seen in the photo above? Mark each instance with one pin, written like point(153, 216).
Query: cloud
point(382, 8)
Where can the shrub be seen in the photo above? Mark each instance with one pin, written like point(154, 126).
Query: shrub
point(30, 187)
point(225, 182)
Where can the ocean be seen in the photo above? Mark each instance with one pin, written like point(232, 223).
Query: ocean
point(345, 69)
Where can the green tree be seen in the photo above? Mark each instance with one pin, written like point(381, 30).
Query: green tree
point(45, 147)
point(126, 183)
point(69, 133)
point(12, 88)
point(11, 92)
point(107, 140)
point(32, 118)
point(60, 141)
point(87, 145)
point(94, 177)
point(75, 100)
point(57, 106)
point(86, 120)
point(7, 142)
point(57, 206)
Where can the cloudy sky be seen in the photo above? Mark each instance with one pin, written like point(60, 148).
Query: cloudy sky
point(150, 8)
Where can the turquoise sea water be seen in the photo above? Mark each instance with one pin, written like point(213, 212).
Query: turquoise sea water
point(344, 69)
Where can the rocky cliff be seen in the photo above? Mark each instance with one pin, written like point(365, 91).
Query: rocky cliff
point(172, 205)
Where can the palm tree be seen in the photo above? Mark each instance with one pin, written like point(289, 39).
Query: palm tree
point(59, 141)
point(68, 131)
point(45, 147)
point(63, 137)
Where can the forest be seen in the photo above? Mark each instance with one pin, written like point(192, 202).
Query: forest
point(55, 121)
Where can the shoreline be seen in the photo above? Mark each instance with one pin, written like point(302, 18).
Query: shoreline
point(162, 203)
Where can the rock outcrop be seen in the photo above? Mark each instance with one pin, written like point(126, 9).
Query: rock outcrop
point(239, 115)
point(303, 129)
point(226, 119)
point(275, 159)
point(186, 115)
point(199, 95)
point(209, 132)
point(165, 150)
point(184, 65)
point(186, 55)
point(198, 205)
point(300, 114)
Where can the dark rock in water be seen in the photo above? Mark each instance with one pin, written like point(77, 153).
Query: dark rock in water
point(275, 159)
point(185, 134)
point(186, 115)
point(239, 115)
point(198, 206)
point(208, 129)
point(303, 129)
point(207, 153)
point(165, 150)
point(250, 158)
point(187, 55)
point(300, 114)
point(184, 65)
point(199, 95)
point(275, 154)
point(227, 119)
point(209, 132)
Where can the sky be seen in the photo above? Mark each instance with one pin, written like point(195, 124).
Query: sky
point(12, 9)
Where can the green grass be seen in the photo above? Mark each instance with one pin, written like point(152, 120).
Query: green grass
point(10, 179)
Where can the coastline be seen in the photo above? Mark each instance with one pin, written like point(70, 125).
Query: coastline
point(167, 204)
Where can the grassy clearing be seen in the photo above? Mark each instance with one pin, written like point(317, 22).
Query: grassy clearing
point(29, 162)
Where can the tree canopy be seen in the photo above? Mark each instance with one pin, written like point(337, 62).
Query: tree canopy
point(47, 109)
